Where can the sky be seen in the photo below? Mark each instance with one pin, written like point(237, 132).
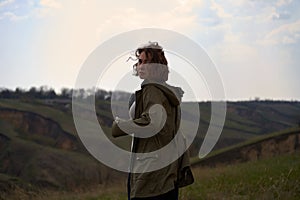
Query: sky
point(254, 44)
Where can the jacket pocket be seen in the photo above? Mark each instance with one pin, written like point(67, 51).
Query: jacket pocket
point(145, 163)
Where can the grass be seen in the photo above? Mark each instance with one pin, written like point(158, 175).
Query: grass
point(100, 192)
point(273, 178)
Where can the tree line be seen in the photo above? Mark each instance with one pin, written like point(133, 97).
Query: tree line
point(45, 92)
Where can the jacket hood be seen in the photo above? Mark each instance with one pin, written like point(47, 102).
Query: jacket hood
point(174, 94)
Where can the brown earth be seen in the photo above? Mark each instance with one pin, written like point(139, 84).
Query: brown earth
point(28, 124)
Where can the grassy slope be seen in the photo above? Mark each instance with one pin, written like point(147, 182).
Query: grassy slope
point(244, 120)
point(247, 120)
point(254, 140)
point(253, 114)
point(42, 164)
point(64, 119)
point(272, 178)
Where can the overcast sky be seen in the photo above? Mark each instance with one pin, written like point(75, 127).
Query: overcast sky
point(253, 43)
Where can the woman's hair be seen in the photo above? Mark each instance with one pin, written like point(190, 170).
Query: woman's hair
point(154, 54)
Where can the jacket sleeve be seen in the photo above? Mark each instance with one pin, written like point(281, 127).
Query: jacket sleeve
point(143, 123)
point(153, 114)
point(116, 131)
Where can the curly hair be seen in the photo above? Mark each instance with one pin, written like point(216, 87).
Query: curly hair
point(154, 54)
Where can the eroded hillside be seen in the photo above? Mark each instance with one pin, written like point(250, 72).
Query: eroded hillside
point(35, 151)
point(286, 142)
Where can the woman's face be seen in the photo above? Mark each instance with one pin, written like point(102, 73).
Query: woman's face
point(142, 71)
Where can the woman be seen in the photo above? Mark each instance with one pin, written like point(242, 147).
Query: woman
point(152, 129)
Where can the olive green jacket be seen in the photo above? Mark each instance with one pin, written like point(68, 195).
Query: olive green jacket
point(162, 180)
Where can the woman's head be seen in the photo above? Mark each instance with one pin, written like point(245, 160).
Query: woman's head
point(152, 63)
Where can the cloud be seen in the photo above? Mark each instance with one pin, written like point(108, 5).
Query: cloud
point(12, 16)
point(260, 11)
point(272, 24)
point(229, 30)
point(20, 10)
point(280, 16)
point(50, 3)
point(220, 11)
point(46, 8)
point(83, 25)
point(280, 3)
point(180, 17)
point(5, 2)
point(284, 34)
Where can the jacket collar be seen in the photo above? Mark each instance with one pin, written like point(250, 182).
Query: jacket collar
point(174, 94)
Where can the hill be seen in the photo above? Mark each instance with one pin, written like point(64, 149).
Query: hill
point(39, 146)
point(270, 145)
point(248, 119)
point(275, 177)
point(266, 167)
